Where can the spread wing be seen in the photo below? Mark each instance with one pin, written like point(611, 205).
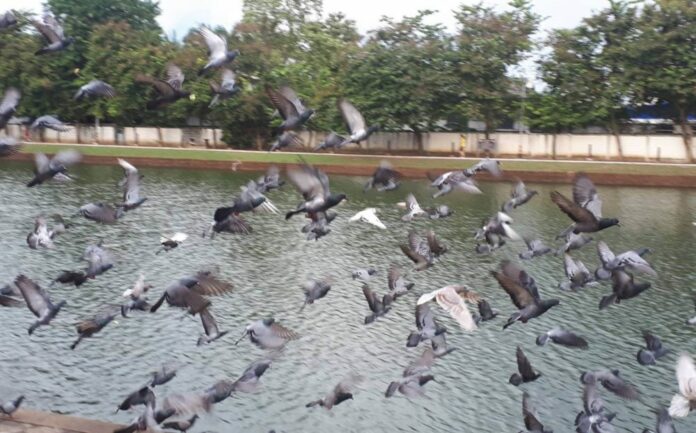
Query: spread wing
point(585, 195)
point(10, 100)
point(311, 182)
point(450, 301)
point(531, 422)
point(175, 77)
point(47, 31)
point(284, 106)
point(291, 96)
point(164, 88)
point(605, 253)
point(372, 299)
point(575, 212)
point(523, 364)
point(354, 120)
point(209, 285)
point(518, 294)
point(283, 332)
point(686, 377)
point(216, 44)
point(209, 324)
point(35, 297)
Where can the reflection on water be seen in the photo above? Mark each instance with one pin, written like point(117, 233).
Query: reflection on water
point(268, 268)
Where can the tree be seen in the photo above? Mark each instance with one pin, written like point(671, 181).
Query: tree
point(488, 45)
point(663, 61)
point(402, 76)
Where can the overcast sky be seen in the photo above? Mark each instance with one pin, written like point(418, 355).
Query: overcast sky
point(181, 15)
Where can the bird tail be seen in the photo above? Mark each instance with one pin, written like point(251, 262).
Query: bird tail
point(369, 319)
point(291, 213)
point(33, 327)
point(607, 301)
point(679, 407)
point(124, 310)
point(158, 303)
point(74, 345)
point(514, 318)
point(391, 389)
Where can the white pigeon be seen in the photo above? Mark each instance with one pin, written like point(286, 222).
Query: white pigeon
point(177, 237)
point(449, 299)
point(412, 206)
point(138, 289)
point(685, 401)
point(369, 216)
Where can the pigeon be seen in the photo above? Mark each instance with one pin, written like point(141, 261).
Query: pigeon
point(247, 382)
point(50, 122)
point(577, 275)
point(226, 89)
point(52, 31)
point(451, 299)
point(585, 209)
point(525, 373)
point(41, 236)
point(162, 376)
point(611, 381)
point(685, 400)
point(331, 141)
point(139, 288)
point(268, 334)
point(189, 292)
point(439, 345)
point(652, 351)
point(535, 248)
point(173, 241)
point(250, 199)
point(623, 287)
point(563, 338)
point(523, 292)
point(519, 196)
point(664, 423)
point(412, 207)
point(168, 91)
point(594, 418)
point(9, 407)
point(315, 289)
point(410, 386)
point(229, 223)
point(363, 274)
point(630, 260)
point(181, 425)
point(183, 405)
point(286, 139)
point(313, 184)
point(357, 128)
point(379, 307)
point(451, 180)
point(427, 327)
point(55, 167)
point(486, 313)
point(531, 420)
point(8, 106)
point(368, 215)
point(87, 328)
point(102, 212)
point(7, 20)
point(147, 421)
point(291, 109)
point(491, 166)
point(210, 327)
point(38, 302)
point(9, 146)
point(98, 260)
point(497, 226)
point(95, 88)
point(439, 212)
point(574, 242)
point(340, 393)
point(385, 178)
point(423, 251)
point(318, 227)
point(269, 181)
point(217, 50)
point(9, 301)
point(396, 283)
point(131, 186)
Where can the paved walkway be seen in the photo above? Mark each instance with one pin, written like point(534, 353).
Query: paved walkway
point(31, 421)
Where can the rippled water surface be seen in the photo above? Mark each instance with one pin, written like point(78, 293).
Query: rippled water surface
point(267, 269)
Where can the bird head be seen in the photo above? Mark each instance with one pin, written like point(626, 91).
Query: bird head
point(516, 379)
point(231, 55)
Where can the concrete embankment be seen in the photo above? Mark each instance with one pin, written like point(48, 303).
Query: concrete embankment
point(32, 421)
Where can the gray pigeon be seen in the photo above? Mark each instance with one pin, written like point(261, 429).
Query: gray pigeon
point(331, 141)
point(131, 186)
point(451, 180)
point(519, 196)
point(630, 260)
point(652, 351)
point(563, 338)
point(594, 418)
point(612, 381)
point(363, 274)
point(525, 373)
point(535, 248)
point(9, 407)
point(168, 91)
point(439, 212)
point(585, 209)
point(428, 328)
point(7, 20)
point(217, 50)
point(577, 275)
point(268, 334)
point(664, 423)
point(315, 289)
point(414, 377)
point(38, 301)
point(340, 393)
point(8, 106)
point(226, 89)
point(385, 178)
point(52, 31)
point(210, 328)
point(9, 146)
point(50, 122)
point(623, 288)
point(574, 241)
point(290, 108)
point(95, 88)
point(286, 139)
point(102, 212)
point(248, 382)
point(378, 306)
point(54, 168)
point(87, 328)
point(491, 166)
point(357, 128)
point(531, 419)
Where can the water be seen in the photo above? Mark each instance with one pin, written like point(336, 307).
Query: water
point(267, 269)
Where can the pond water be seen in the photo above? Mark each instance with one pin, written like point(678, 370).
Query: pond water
point(269, 266)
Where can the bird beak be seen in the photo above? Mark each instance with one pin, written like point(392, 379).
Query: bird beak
point(242, 337)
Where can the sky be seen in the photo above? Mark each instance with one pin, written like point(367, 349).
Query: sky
point(181, 15)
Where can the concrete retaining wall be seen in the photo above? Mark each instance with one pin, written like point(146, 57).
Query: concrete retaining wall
point(592, 146)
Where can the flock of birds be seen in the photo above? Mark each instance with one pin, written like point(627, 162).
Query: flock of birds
point(194, 293)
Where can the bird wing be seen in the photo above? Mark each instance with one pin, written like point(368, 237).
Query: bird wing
point(311, 182)
point(591, 399)
point(518, 294)
point(411, 254)
point(209, 324)
point(424, 317)
point(164, 88)
point(523, 364)
point(10, 100)
point(652, 342)
point(371, 217)
point(216, 44)
point(435, 246)
point(605, 253)
point(575, 212)
point(131, 186)
point(441, 179)
point(208, 284)
point(686, 376)
point(571, 268)
point(412, 203)
point(175, 77)
point(228, 79)
point(371, 298)
point(567, 338)
point(291, 96)
point(42, 163)
point(393, 276)
point(421, 364)
point(451, 302)
point(614, 383)
point(284, 106)
point(492, 166)
point(53, 23)
point(519, 190)
point(36, 298)
point(187, 404)
point(98, 87)
point(664, 422)
point(354, 120)
point(283, 332)
point(531, 422)
point(585, 195)
point(47, 31)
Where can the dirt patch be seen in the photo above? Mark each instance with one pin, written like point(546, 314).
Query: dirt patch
point(619, 179)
